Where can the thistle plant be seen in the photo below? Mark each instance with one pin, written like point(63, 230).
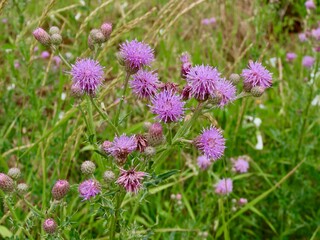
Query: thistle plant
point(127, 155)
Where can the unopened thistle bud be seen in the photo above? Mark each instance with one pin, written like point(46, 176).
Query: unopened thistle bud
point(247, 87)
point(54, 30)
point(257, 91)
point(14, 173)
point(155, 135)
point(6, 183)
point(106, 29)
point(88, 167)
point(42, 36)
point(22, 188)
point(234, 78)
point(108, 176)
point(150, 151)
point(49, 226)
point(185, 68)
point(56, 39)
point(60, 189)
point(97, 36)
point(141, 142)
point(186, 93)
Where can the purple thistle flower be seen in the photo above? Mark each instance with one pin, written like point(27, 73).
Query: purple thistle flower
point(226, 92)
point(308, 61)
point(87, 74)
point(291, 56)
point(49, 226)
point(168, 106)
point(240, 165)
point(42, 36)
point(211, 143)
point(316, 34)
point(89, 189)
point(203, 162)
point(202, 80)
point(45, 55)
point(186, 64)
point(310, 4)
point(122, 146)
point(185, 57)
point(302, 37)
point(131, 180)
point(257, 75)
point(136, 55)
point(144, 84)
point(224, 186)
point(60, 189)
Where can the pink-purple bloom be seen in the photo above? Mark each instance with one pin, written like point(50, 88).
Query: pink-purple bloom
point(45, 55)
point(145, 83)
point(131, 180)
point(122, 146)
point(291, 56)
point(203, 162)
point(56, 60)
point(136, 55)
point(302, 37)
point(310, 4)
point(308, 61)
point(87, 74)
point(225, 91)
point(89, 188)
point(257, 75)
point(224, 186)
point(211, 143)
point(240, 165)
point(202, 80)
point(209, 21)
point(316, 33)
point(168, 106)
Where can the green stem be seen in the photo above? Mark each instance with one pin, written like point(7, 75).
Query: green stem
point(181, 132)
point(91, 127)
point(122, 98)
point(62, 57)
point(104, 116)
point(306, 112)
point(113, 228)
point(32, 207)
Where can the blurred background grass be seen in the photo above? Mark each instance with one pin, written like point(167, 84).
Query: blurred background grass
point(44, 134)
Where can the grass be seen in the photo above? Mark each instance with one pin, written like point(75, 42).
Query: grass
point(46, 136)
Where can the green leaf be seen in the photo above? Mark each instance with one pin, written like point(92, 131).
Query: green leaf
point(4, 232)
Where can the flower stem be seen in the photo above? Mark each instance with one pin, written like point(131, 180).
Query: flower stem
point(122, 98)
point(114, 222)
point(104, 116)
point(306, 112)
point(62, 57)
point(90, 117)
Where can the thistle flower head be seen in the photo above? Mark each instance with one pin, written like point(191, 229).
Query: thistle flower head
point(240, 165)
point(257, 75)
point(186, 93)
point(202, 80)
point(89, 188)
point(142, 142)
point(203, 162)
point(49, 226)
point(88, 167)
point(60, 189)
point(224, 186)
point(87, 74)
point(291, 56)
point(226, 91)
point(131, 180)
point(302, 37)
point(136, 55)
point(168, 106)
point(22, 188)
point(144, 84)
point(42, 36)
point(155, 135)
point(211, 143)
point(121, 147)
point(14, 173)
point(6, 183)
point(310, 4)
point(108, 176)
point(106, 29)
point(308, 61)
point(316, 34)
